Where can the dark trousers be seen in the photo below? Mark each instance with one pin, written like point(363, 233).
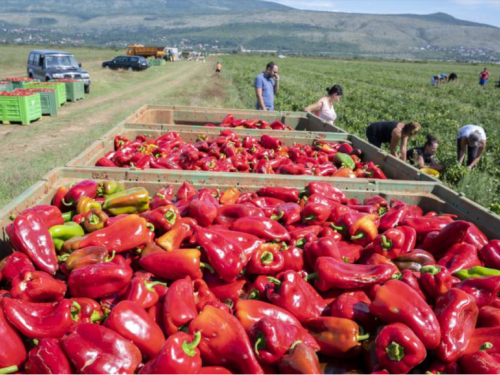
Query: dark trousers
point(471, 151)
point(372, 137)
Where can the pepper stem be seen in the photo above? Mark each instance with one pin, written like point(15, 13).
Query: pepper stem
point(278, 216)
point(75, 310)
point(207, 266)
point(260, 343)
point(189, 348)
point(364, 337)
point(312, 276)
point(171, 216)
point(150, 286)
point(359, 236)
point(273, 280)
point(110, 258)
point(151, 227)
point(162, 196)
point(254, 294)
point(336, 228)
point(96, 317)
point(310, 217)
point(431, 269)
point(94, 219)
point(12, 217)
point(386, 244)
point(68, 204)
point(395, 351)
point(63, 258)
point(8, 370)
point(485, 346)
point(294, 345)
point(267, 257)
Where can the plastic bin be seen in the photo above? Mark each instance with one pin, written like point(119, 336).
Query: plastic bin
point(20, 84)
point(6, 86)
point(23, 109)
point(48, 101)
point(60, 88)
point(74, 90)
point(429, 196)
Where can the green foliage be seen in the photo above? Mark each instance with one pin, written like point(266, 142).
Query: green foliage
point(394, 91)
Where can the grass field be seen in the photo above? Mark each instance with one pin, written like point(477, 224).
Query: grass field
point(28, 152)
point(389, 91)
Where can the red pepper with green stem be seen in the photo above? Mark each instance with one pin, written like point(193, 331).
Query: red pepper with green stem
point(398, 349)
point(173, 239)
point(227, 215)
point(435, 280)
point(425, 225)
point(263, 228)
point(13, 353)
point(439, 242)
point(227, 293)
point(141, 290)
point(29, 235)
point(13, 264)
point(324, 247)
point(268, 205)
point(395, 242)
point(179, 306)
point(457, 315)
point(301, 359)
point(355, 306)
point(271, 339)
point(412, 310)
point(224, 341)
point(162, 218)
point(95, 349)
point(86, 310)
point(37, 286)
point(57, 200)
point(292, 293)
point(287, 213)
point(266, 260)
point(47, 357)
point(481, 362)
point(414, 260)
point(293, 258)
point(163, 197)
point(288, 195)
point(85, 257)
point(50, 215)
point(326, 190)
point(250, 312)
point(315, 214)
point(86, 188)
point(394, 217)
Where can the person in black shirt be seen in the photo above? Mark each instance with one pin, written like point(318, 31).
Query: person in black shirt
point(453, 77)
point(394, 133)
point(423, 157)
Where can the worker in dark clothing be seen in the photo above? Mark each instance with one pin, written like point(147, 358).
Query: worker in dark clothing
point(423, 157)
point(453, 77)
point(392, 132)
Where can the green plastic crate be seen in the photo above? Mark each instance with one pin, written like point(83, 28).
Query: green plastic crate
point(74, 90)
point(48, 102)
point(6, 86)
point(157, 62)
point(23, 109)
point(21, 84)
point(60, 88)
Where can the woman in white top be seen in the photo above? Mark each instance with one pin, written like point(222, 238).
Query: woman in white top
point(323, 108)
point(471, 138)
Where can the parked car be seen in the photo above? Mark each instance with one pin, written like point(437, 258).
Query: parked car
point(127, 62)
point(47, 65)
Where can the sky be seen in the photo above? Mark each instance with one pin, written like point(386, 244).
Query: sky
point(482, 11)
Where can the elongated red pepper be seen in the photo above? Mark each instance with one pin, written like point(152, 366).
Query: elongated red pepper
point(203, 211)
point(179, 306)
point(95, 349)
point(395, 242)
point(460, 257)
point(85, 257)
point(179, 355)
point(162, 218)
point(135, 324)
point(480, 362)
point(475, 237)
point(315, 213)
point(394, 217)
point(227, 257)
point(398, 349)
point(457, 315)
point(57, 200)
point(272, 338)
point(50, 215)
point(86, 188)
point(224, 341)
point(13, 353)
point(28, 234)
point(489, 316)
point(13, 264)
point(389, 306)
point(173, 265)
point(227, 215)
point(287, 213)
point(228, 293)
point(292, 293)
point(427, 224)
point(331, 273)
point(86, 310)
point(289, 195)
point(248, 242)
point(440, 242)
point(293, 258)
point(490, 254)
point(250, 312)
point(39, 320)
point(264, 228)
point(483, 289)
point(37, 286)
point(326, 190)
point(48, 358)
point(173, 239)
point(99, 280)
point(435, 280)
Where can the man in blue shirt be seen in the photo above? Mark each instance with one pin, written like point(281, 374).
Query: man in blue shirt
point(266, 85)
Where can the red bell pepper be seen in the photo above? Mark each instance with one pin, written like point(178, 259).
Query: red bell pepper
point(355, 306)
point(331, 273)
point(457, 315)
point(349, 252)
point(179, 355)
point(186, 191)
point(85, 257)
point(162, 218)
point(425, 225)
point(173, 265)
point(48, 358)
point(287, 213)
point(203, 211)
point(337, 337)
point(326, 190)
point(134, 323)
point(272, 339)
point(315, 214)
point(292, 293)
point(224, 341)
point(288, 195)
point(13, 353)
point(266, 260)
point(398, 349)
point(163, 197)
point(57, 200)
point(301, 359)
point(490, 254)
point(248, 243)
point(95, 349)
point(411, 279)
point(394, 217)
point(293, 258)
point(28, 234)
point(475, 237)
point(227, 215)
point(480, 362)
point(99, 280)
point(395, 242)
point(414, 260)
point(483, 289)
point(179, 306)
point(439, 242)
point(13, 264)
point(39, 320)
point(86, 188)
point(50, 215)
point(141, 290)
point(37, 286)
point(489, 316)
point(86, 310)
point(389, 306)
point(227, 257)
point(227, 293)
point(264, 228)
point(460, 257)
point(435, 280)
point(324, 247)
point(250, 312)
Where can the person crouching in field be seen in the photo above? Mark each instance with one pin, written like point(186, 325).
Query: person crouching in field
point(471, 138)
point(423, 157)
point(435, 81)
point(392, 132)
point(453, 77)
point(323, 108)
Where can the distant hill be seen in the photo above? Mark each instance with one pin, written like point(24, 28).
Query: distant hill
point(245, 25)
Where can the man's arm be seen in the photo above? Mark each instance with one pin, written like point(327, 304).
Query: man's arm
point(480, 153)
point(260, 99)
point(394, 144)
point(420, 163)
point(276, 84)
point(461, 153)
point(404, 143)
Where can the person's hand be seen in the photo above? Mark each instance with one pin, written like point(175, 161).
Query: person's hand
point(470, 167)
point(276, 77)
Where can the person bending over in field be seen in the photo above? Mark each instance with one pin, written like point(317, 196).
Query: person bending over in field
point(471, 138)
point(453, 77)
point(443, 78)
point(435, 81)
point(266, 85)
point(324, 107)
point(423, 156)
point(392, 132)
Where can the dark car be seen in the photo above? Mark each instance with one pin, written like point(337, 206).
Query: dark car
point(127, 62)
point(47, 65)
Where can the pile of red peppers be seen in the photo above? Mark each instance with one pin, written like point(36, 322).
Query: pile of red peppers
point(228, 153)
point(18, 79)
point(113, 280)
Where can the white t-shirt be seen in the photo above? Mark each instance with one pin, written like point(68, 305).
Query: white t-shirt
point(327, 112)
point(466, 130)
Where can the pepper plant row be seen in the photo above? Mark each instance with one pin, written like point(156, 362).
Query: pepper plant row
point(228, 153)
point(109, 280)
